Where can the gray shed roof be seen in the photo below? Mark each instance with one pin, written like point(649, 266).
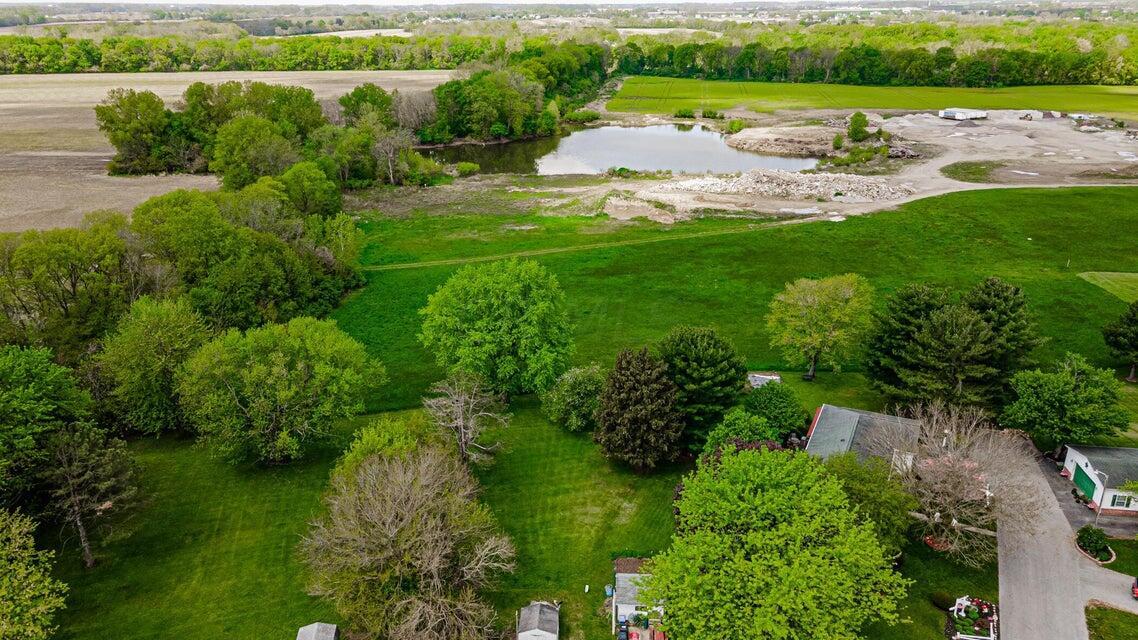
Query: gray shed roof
point(1118, 463)
point(837, 430)
point(627, 589)
point(539, 615)
point(318, 631)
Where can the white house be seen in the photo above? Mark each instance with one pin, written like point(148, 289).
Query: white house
point(1098, 472)
point(626, 592)
point(539, 621)
point(957, 113)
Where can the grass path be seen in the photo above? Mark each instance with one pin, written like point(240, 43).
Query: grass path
point(581, 247)
point(1122, 285)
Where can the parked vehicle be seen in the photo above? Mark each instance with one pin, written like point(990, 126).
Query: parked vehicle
point(1134, 589)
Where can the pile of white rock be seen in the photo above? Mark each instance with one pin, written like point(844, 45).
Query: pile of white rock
point(789, 185)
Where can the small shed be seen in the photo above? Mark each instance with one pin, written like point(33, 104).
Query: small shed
point(626, 593)
point(318, 631)
point(756, 379)
point(958, 113)
point(539, 621)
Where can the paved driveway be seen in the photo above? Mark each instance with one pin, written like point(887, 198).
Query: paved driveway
point(1045, 583)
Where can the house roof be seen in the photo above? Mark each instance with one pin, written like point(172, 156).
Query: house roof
point(539, 615)
point(1118, 463)
point(837, 430)
point(318, 631)
point(628, 575)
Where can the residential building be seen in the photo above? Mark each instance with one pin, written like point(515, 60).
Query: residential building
point(1098, 472)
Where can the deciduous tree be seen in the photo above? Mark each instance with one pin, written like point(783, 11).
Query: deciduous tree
point(573, 400)
point(504, 321)
point(37, 398)
point(877, 495)
point(1076, 403)
point(462, 405)
point(405, 548)
point(965, 476)
point(759, 533)
point(821, 320)
point(778, 404)
point(740, 427)
point(270, 393)
point(310, 191)
point(709, 376)
point(249, 147)
point(143, 356)
point(29, 595)
point(638, 422)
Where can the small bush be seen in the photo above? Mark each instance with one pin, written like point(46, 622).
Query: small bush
point(735, 126)
point(738, 428)
point(779, 405)
point(574, 398)
point(499, 130)
point(942, 600)
point(859, 127)
point(467, 168)
point(581, 116)
point(1093, 540)
point(838, 141)
point(685, 113)
point(712, 114)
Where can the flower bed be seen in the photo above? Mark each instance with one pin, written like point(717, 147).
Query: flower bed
point(1092, 542)
point(972, 619)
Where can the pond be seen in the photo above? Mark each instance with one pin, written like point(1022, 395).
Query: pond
point(677, 148)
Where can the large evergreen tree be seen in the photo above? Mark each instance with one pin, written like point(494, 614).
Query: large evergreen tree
point(1004, 307)
point(638, 422)
point(905, 312)
point(709, 376)
point(1122, 338)
point(950, 359)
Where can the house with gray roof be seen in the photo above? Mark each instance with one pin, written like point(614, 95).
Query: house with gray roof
point(838, 430)
point(539, 621)
point(1098, 472)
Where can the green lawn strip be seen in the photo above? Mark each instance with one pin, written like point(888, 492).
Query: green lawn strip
point(1123, 285)
point(664, 95)
point(213, 555)
point(569, 511)
point(932, 572)
point(625, 296)
point(1127, 556)
point(1111, 624)
point(971, 171)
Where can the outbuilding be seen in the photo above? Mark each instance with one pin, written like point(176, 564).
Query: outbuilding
point(1098, 472)
point(318, 631)
point(539, 621)
point(957, 113)
point(626, 591)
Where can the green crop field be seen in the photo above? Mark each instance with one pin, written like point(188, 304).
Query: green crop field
point(664, 95)
point(1123, 285)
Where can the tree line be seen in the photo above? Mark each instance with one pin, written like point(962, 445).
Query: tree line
point(861, 64)
point(130, 54)
point(842, 62)
point(245, 131)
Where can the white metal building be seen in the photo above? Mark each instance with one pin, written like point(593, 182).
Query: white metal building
point(957, 113)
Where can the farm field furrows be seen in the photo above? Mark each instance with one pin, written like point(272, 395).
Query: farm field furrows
point(665, 95)
point(53, 156)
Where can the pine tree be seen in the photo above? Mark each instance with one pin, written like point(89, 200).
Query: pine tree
point(905, 313)
point(1004, 307)
point(92, 483)
point(950, 358)
point(1122, 338)
point(638, 423)
point(709, 376)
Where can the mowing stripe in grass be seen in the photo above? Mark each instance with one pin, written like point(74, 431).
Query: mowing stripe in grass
point(1119, 284)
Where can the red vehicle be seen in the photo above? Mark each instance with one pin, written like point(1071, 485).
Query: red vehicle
point(1134, 589)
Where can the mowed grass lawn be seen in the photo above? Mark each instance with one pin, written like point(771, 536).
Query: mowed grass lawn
point(1123, 285)
point(644, 94)
point(631, 295)
point(1111, 624)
